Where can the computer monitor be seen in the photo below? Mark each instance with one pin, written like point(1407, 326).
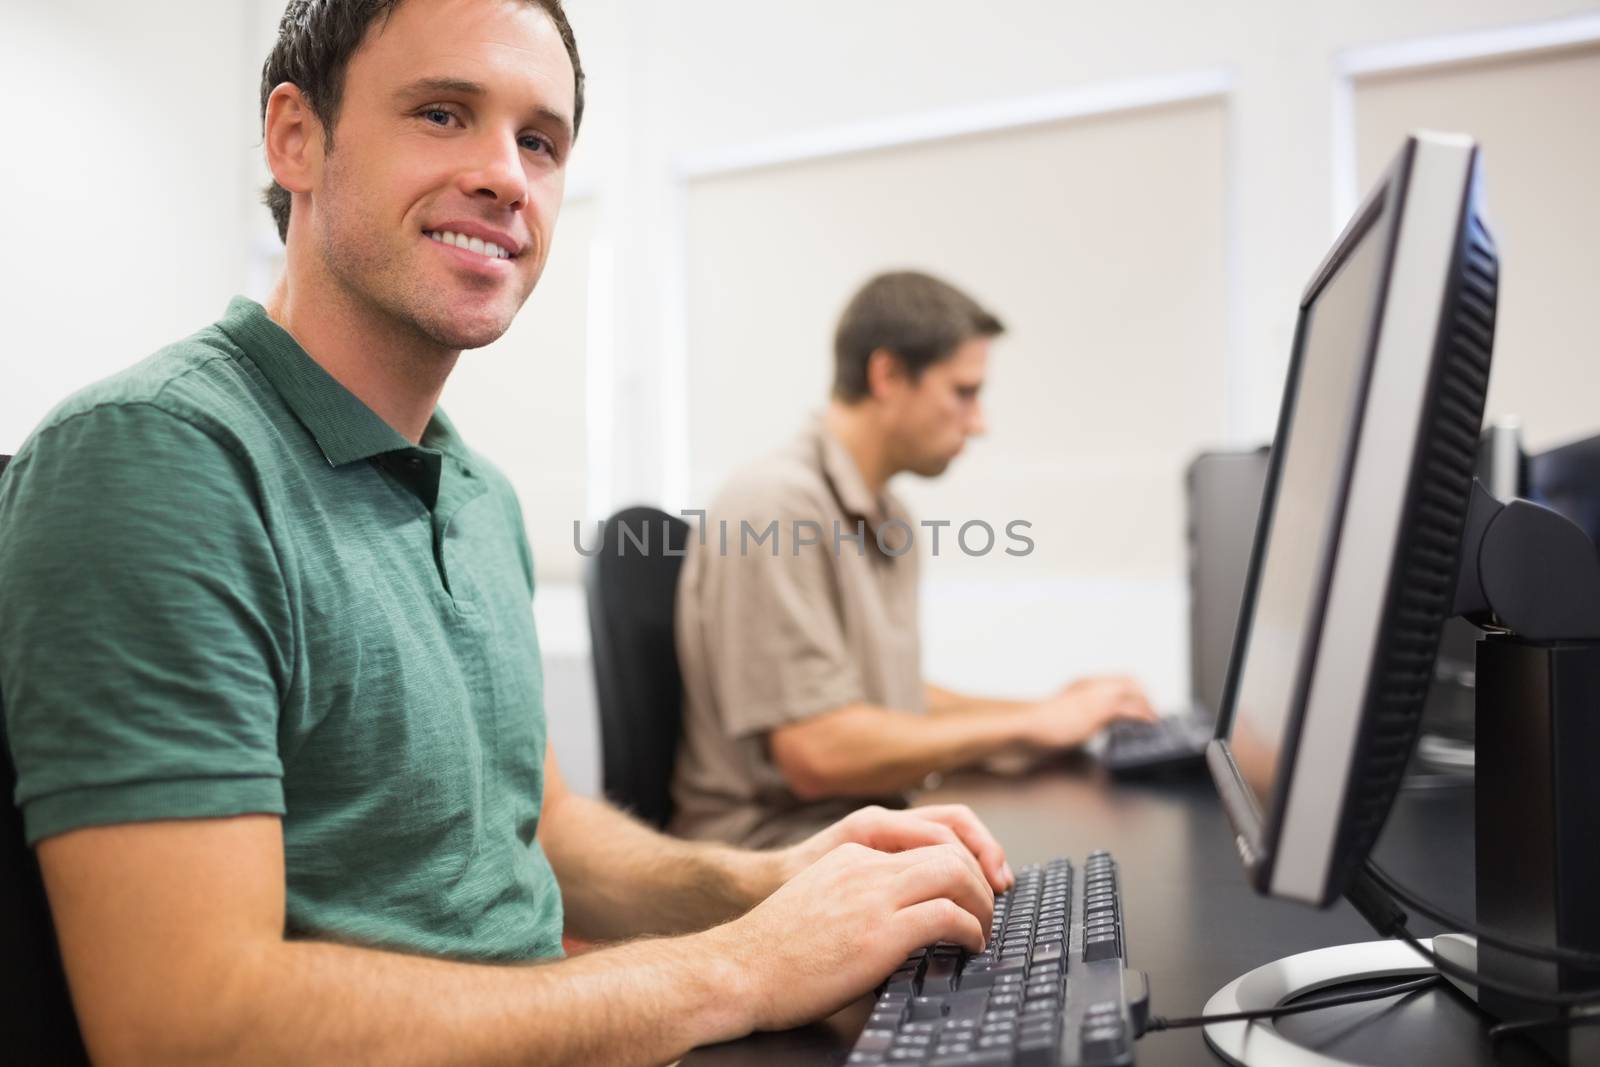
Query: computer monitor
point(1353, 572)
point(1222, 490)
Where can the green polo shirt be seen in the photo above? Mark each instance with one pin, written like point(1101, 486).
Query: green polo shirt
point(230, 587)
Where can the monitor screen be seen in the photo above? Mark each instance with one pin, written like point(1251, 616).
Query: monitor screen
point(1353, 571)
point(1336, 339)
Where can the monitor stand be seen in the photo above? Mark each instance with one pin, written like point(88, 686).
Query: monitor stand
point(1259, 1044)
point(1536, 821)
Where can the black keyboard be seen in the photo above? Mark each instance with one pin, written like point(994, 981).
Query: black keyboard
point(1051, 988)
point(1171, 742)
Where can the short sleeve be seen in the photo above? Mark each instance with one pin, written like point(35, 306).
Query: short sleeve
point(145, 636)
point(776, 648)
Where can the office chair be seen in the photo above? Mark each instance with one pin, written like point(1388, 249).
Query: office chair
point(631, 586)
point(36, 1020)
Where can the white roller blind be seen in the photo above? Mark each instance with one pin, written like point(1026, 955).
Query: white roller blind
point(1099, 242)
point(1534, 114)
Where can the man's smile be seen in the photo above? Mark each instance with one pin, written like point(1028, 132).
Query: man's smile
point(481, 248)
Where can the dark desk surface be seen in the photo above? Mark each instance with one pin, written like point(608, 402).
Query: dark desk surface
point(1193, 925)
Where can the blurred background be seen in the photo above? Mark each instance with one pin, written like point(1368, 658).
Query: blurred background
point(1140, 191)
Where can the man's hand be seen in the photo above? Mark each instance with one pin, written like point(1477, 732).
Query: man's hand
point(1083, 709)
point(836, 929)
point(896, 831)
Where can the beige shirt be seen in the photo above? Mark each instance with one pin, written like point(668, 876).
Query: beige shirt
point(772, 637)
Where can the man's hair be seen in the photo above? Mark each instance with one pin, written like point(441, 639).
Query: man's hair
point(316, 39)
point(914, 316)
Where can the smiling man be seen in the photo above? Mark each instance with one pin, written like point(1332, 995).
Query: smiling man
point(268, 666)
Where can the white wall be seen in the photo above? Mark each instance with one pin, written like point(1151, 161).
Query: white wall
point(123, 179)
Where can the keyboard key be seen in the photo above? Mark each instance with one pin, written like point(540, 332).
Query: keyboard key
point(966, 1006)
point(1036, 1052)
point(874, 1040)
point(940, 977)
point(984, 978)
point(1048, 952)
point(901, 982)
point(1101, 1042)
point(975, 1058)
point(887, 1016)
point(1100, 947)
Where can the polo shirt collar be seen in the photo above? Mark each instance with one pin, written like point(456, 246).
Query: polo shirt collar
point(839, 467)
point(345, 429)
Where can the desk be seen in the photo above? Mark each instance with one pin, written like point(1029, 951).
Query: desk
point(1193, 924)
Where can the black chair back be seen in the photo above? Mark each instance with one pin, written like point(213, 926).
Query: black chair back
point(36, 1020)
point(632, 583)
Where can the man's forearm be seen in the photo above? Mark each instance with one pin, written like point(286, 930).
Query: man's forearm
point(864, 750)
point(311, 1002)
point(621, 879)
point(942, 701)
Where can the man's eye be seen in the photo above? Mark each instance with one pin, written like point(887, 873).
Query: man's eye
point(438, 116)
point(538, 144)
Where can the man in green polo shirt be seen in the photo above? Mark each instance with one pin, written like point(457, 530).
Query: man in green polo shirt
point(268, 665)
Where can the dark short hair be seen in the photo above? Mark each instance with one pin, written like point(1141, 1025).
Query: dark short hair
point(914, 316)
point(316, 39)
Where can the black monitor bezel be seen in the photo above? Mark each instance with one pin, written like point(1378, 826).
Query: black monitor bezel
point(1377, 218)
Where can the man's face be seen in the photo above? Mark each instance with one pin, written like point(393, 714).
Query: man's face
point(931, 419)
point(455, 126)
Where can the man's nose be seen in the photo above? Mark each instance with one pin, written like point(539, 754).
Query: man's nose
point(498, 174)
point(977, 425)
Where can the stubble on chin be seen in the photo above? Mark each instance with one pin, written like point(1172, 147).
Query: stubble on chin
point(448, 327)
point(394, 286)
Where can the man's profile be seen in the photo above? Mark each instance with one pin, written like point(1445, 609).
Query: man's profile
point(268, 665)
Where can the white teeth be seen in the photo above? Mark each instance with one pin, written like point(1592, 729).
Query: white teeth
point(471, 244)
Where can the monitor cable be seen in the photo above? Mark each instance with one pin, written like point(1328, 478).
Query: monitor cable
point(1501, 1031)
point(1506, 942)
point(1378, 908)
point(1157, 1022)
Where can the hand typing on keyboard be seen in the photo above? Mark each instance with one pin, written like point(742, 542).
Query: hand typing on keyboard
point(895, 831)
point(833, 931)
point(1083, 709)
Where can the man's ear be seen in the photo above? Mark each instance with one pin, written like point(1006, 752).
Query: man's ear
point(886, 373)
point(293, 138)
